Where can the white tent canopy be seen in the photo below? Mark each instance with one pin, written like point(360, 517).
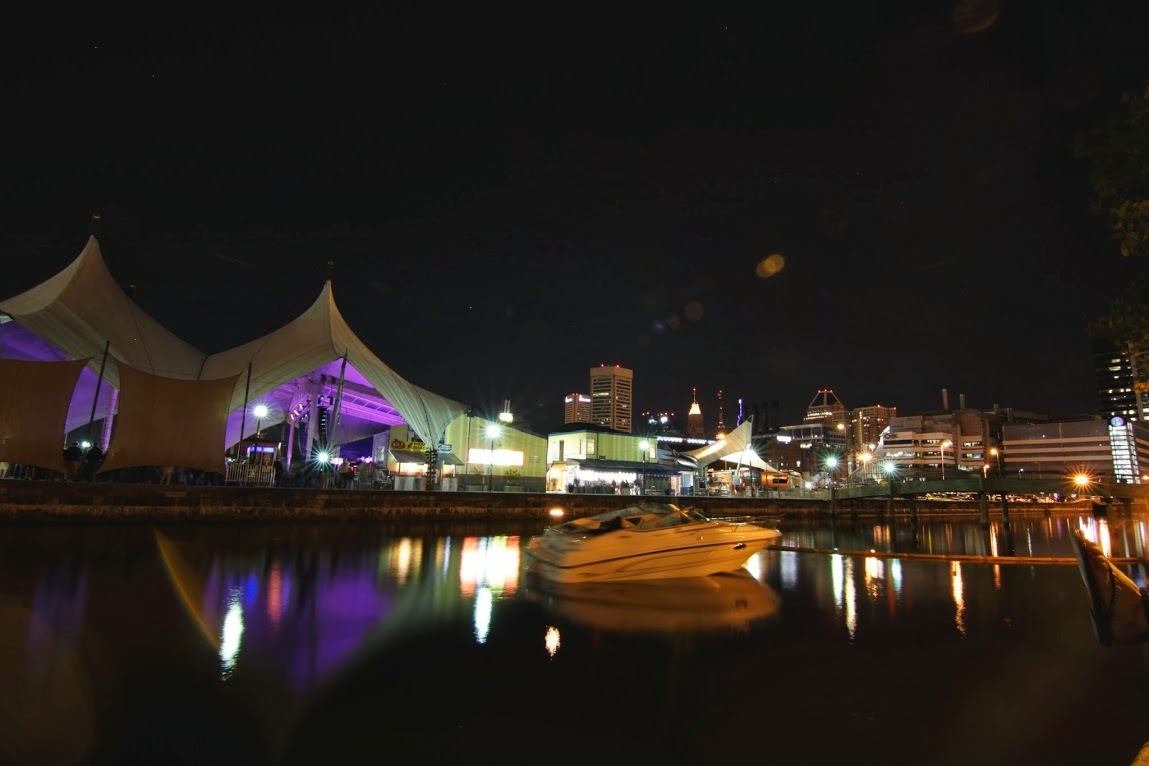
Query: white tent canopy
point(81, 309)
point(733, 443)
point(318, 337)
point(750, 458)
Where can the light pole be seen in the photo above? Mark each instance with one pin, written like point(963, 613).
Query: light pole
point(864, 458)
point(945, 444)
point(831, 464)
point(493, 432)
point(997, 458)
point(260, 412)
point(644, 445)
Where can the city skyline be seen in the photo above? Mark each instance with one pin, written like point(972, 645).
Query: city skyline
point(879, 201)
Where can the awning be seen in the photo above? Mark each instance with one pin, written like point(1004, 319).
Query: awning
point(408, 456)
point(652, 469)
point(450, 458)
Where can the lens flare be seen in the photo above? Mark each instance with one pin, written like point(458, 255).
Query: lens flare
point(770, 266)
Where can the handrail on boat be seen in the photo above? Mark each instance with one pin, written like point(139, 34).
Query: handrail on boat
point(773, 522)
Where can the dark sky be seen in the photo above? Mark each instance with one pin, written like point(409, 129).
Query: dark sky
point(511, 200)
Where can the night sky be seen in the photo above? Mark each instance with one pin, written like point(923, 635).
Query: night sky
point(508, 201)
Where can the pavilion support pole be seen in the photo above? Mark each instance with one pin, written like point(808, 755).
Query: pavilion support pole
point(338, 400)
point(106, 437)
point(96, 398)
point(242, 426)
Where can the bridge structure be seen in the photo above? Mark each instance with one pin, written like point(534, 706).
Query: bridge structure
point(1104, 493)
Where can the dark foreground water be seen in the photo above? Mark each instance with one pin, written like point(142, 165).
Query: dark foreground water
point(338, 643)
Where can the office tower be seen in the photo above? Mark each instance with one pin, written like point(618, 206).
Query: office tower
point(721, 423)
point(867, 423)
point(695, 429)
point(1119, 390)
point(611, 404)
point(576, 408)
point(825, 407)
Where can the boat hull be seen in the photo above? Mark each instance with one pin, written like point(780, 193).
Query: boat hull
point(696, 560)
point(1119, 608)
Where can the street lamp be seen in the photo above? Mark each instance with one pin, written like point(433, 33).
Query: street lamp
point(644, 445)
point(831, 464)
point(1082, 482)
point(889, 467)
point(865, 458)
point(260, 412)
point(945, 444)
point(493, 432)
point(997, 458)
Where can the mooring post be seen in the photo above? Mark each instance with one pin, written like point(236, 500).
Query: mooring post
point(913, 509)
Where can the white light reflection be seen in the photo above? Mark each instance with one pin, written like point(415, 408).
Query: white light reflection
point(875, 574)
point(552, 640)
point(1097, 530)
point(959, 600)
point(489, 561)
point(896, 576)
point(836, 578)
point(483, 601)
point(788, 562)
point(842, 579)
point(231, 636)
point(754, 565)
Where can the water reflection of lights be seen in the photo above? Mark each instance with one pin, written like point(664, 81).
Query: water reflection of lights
point(489, 561)
point(405, 556)
point(993, 541)
point(483, 602)
point(1097, 530)
point(959, 600)
point(875, 574)
point(896, 576)
point(232, 634)
point(789, 566)
point(552, 640)
point(842, 578)
point(275, 595)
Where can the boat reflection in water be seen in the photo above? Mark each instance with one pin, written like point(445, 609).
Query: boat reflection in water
point(725, 601)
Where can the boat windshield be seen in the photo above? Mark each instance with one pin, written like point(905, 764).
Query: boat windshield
point(643, 516)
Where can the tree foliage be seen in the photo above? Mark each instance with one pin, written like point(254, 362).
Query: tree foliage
point(1117, 154)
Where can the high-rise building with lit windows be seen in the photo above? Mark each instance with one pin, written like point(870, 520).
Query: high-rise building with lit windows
point(1121, 392)
point(576, 409)
point(611, 397)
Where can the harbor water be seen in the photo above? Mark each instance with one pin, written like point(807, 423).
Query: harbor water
point(944, 642)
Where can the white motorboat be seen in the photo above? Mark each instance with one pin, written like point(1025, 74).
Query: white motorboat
point(646, 541)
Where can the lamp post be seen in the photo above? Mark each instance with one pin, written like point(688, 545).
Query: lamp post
point(493, 432)
point(996, 453)
point(945, 443)
point(831, 465)
point(644, 445)
point(864, 458)
point(260, 412)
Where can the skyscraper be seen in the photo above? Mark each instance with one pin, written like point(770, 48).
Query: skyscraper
point(1119, 390)
point(611, 403)
point(576, 408)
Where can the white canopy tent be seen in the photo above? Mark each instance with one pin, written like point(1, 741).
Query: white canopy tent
point(320, 339)
point(749, 457)
point(81, 310)
point(733, 443)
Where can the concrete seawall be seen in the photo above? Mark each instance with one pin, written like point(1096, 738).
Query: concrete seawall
point(37, 500)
